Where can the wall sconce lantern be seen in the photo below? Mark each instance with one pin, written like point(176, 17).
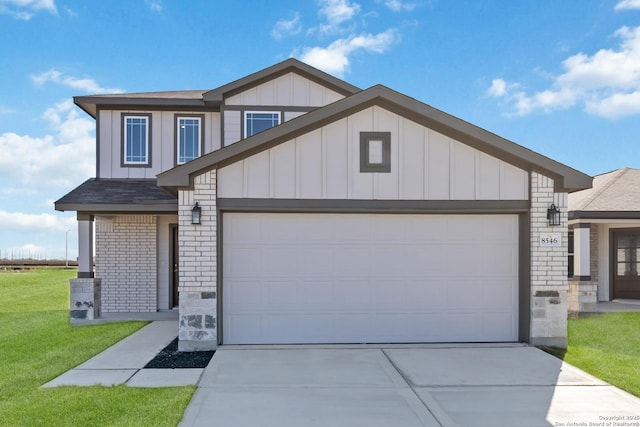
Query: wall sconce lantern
point(196, 214)
point(553, 215)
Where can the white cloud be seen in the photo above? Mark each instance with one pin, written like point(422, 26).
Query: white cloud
point(25, 9)
point(498, 88)
point(14, 221)
point(616, 105)
point(399, 6)
point(155, 5)
point(287, 27)
point(335, 13)
point(86, 85)
point(606, 83)
point(334, 58)
point(627, 5)
point(61, 160)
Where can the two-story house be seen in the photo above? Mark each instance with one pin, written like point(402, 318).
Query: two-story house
point(292, 207)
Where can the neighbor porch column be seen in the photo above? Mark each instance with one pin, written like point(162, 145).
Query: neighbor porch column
point(85, 295)
point(582, 251)
point(583, 286)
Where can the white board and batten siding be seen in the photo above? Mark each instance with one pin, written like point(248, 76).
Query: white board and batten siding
point(325, 164)
point(369, 278)
point(163, 148)
point(288, 90)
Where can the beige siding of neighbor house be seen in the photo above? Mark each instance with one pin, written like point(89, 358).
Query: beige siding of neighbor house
point(126, 263)
point(325, 164)
point(163, 149)
point(289, 89)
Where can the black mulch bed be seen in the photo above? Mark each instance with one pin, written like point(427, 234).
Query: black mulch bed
point(171, 358)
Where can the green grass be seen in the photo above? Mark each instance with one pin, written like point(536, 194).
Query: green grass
point(37, 344)
point(608, 347)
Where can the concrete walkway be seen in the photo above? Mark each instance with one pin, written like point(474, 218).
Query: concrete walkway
point(618, 305)
point(123, 363)
point(429, 385)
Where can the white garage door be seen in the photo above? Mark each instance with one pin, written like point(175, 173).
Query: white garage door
point(369, 278)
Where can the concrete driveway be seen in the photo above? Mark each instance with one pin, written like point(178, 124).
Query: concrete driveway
point(510, 385)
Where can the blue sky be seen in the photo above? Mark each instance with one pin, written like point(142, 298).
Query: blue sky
point(559, 77)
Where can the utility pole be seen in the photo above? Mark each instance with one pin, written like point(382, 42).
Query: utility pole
point(66, 249)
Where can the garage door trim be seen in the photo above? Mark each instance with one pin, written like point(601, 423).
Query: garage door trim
point(524, 292)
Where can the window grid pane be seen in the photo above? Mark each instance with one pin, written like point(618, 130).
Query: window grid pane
point(136, 139)
point(258, 122)
point(188, 139)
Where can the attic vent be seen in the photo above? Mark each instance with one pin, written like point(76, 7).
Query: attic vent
point(375, 151)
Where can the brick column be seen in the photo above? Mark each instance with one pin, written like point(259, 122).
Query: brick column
point(85, 291)
point(198, 266)
point(548, 267)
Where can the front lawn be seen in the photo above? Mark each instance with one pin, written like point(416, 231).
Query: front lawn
point(608, 347)
point(37, 344)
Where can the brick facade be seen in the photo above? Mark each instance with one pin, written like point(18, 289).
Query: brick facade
point(548, 267)
point(197, 266)
point(126, 263)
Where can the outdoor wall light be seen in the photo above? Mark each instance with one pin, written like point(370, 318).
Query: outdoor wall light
point(553, 215)
point(196, 214)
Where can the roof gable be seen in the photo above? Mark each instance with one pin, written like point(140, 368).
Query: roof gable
point(566, 178)
point(290, 65)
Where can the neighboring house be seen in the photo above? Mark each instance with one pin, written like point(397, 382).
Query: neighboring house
point(292, 207)
point(604, 256)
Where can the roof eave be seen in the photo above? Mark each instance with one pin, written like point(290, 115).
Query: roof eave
point(89, 104)
point(112, 207)
point(575, 214)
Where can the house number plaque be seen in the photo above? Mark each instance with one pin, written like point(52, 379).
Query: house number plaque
point(551, 239)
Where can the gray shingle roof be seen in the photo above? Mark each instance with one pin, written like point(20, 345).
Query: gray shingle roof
point(616, 191)
point(110, 195)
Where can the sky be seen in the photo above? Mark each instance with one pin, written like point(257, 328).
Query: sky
point(560, 77)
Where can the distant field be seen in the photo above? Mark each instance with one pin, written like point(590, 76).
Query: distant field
point(17, 263)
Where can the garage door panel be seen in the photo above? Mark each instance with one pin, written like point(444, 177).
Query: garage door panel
point(244, 295)
point(463, 294)
point(243, 261)
point(352, 295)
point(497, 324)
point(288, 259)
point(351, 278)
point(498, 293)
point(277, 295)
point(314, 294)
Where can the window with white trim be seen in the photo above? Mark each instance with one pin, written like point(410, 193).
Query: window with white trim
point(189, 135)
point(136, 139)
point(257, 121)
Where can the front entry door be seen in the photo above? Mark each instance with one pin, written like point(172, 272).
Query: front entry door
point(174, 266)
point(626, 264)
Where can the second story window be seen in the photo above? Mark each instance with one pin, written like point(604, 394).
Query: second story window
point(257, 121)
point(189, 138)
point(136, 139)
